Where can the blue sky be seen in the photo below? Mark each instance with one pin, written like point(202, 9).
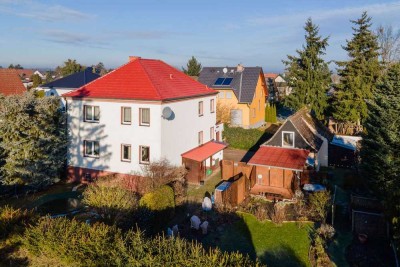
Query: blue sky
point(254, 33)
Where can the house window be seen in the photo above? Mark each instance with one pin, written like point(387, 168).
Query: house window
point(212, 106)
point(228, 95)
point(91, 148)
point(144, 114)
point(211, 133)
point(201, 108)
point(253, 111)
point(92, 113)
point(288, 139)
point(126, 114)
point(144, 154)
point(221, 95)
point(200, 138)
point(126, 153)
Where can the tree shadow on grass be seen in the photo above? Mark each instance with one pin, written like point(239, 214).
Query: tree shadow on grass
point(8, 259)
point(283, 257)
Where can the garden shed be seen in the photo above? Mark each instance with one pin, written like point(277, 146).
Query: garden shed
point(202, 160)
point(233, 191)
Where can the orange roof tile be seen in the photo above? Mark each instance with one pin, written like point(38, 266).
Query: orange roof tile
point(10, 82)
point(285, 158)
point(270, 75)
point(205, 151)
point(143, 79)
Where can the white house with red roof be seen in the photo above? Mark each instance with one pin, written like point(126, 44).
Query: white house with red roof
point(143, 111)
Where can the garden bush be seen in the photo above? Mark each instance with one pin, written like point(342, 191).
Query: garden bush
point(112, 202)
point(13, 221)
point(246, 139)
point(159, 200)
point(72, 243)
point(319, 205)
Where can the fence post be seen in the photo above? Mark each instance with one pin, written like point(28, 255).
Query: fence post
point(333, 206)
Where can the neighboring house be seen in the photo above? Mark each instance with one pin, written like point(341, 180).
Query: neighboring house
point(277, 87)
point(10, 82)
point(241, 93)
point(68, 83)
point(303, 131)
point(141, 112)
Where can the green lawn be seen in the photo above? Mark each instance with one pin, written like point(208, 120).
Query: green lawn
point(196, 193)
point(285, 245)
point(247, 139)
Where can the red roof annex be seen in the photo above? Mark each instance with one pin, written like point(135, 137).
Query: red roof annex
point(286, 158)
point(205, 151)
point(143, 79)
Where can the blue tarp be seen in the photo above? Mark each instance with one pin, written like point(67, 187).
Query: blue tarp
point(223, 186)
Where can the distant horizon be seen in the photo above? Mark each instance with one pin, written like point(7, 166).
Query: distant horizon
point(43, 34)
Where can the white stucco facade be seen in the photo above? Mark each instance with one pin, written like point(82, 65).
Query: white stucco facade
point(167, 138)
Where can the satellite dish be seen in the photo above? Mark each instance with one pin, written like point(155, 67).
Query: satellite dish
point(225, 70)
point(167, 113)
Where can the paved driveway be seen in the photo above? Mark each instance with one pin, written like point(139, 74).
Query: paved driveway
point(238, 155)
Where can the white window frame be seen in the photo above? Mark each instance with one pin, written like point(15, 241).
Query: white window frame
point(201, 108)
point(93, 119)
point(221, 95)
point(200, 138)
point(287, 132)
point(122, 153)
point(212, 105)
point(93, 148)
point(141, 123)
point(123, 115)
point(228, 95)
point(212, 133)
point(141, 161)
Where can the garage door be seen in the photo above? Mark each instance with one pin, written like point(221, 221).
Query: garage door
point(236, 117)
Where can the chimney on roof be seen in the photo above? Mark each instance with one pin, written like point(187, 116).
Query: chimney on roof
point(133, 58)
point(240, 68)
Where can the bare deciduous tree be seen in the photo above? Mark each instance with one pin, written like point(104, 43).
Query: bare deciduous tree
point(389, 43)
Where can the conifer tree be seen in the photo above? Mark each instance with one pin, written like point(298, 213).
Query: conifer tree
point(359, 74)
point(33, 139)
point(308, 73)
point(193, 67)
point(381, 143)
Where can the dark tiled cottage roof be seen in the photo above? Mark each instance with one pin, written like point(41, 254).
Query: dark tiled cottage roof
point(243, 84)
point(75, 80)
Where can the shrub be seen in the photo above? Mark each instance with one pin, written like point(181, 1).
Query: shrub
point(72, 243)
point(326, 231)
point(247, 139)
point(278, 214)
point(113, 202)
point(14, 220)
point(319, 205)
point(158, 200)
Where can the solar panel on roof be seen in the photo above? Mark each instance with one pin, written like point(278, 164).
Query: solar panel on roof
point(227, 81)
point(219, 81)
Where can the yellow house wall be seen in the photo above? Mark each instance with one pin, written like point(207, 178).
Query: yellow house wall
point(247, 117)
point(259, 97)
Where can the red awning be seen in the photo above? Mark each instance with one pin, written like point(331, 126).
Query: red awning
point(284, 158)
point(205, 151)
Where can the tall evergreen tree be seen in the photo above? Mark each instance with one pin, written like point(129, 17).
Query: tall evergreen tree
point(193, 67)
point(70, 67)
point(34, 139)
point(359, 74)
point(381, 143)
point(308, 73)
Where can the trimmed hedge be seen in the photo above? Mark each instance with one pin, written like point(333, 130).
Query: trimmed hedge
point(160, 199)
point(247, 139)
point(72, 243)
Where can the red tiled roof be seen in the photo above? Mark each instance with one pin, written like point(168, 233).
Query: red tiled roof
point(25, 73)
point(144, 79)
point(10, 82)
point(286, 158)
point(270, 75)
point(205, 151)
